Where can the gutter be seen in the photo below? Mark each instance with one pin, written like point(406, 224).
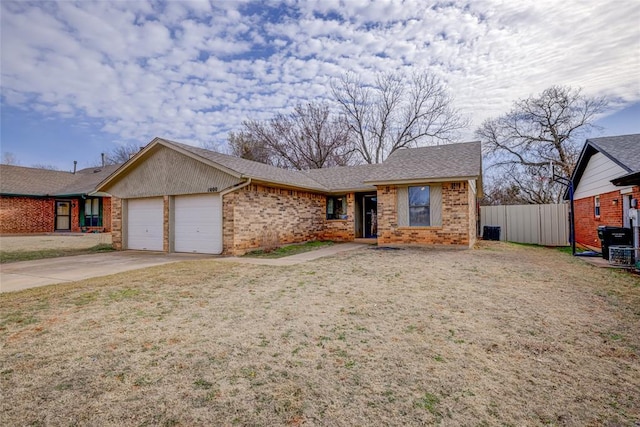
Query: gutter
point(235, 188)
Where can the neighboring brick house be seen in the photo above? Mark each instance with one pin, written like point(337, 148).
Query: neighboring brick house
point(177, 198)
point(42, 201)
point(605, 180)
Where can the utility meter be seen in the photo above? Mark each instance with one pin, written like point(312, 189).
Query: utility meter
point(633, 216)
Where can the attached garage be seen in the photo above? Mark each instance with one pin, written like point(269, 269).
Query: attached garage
point(198, 224)
point(145, 224)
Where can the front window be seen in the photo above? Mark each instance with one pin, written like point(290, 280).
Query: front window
point(337, 207)
point(419, 209)
point(92, 213)
point(596, 203)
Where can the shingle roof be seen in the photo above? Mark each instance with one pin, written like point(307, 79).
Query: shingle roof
point(434, 162)
point(88, 179)
point(254, 170)
point(19, 180)
point(624, 150)
point(343, 178)
point(442, 162)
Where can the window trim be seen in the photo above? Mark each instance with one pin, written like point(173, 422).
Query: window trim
point(596, 206)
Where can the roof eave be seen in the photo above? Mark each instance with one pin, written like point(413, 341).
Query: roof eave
point(422, 180)
point(26, 195)
point(272, 183)
point(363, 189)
point(632, 178)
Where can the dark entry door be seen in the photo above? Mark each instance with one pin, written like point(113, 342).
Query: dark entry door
point(63, 215)
point(370, 221)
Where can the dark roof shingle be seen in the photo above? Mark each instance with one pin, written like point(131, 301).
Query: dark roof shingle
point(19, 180)
point(623, 149)
point(434, 162)
point(254, 170)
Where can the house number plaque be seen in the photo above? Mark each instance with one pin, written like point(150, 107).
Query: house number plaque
point(212, 189)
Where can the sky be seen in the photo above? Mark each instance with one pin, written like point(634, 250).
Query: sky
point(77, 78)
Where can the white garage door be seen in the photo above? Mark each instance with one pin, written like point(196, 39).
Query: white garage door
point(144, 224)
point(198, 224)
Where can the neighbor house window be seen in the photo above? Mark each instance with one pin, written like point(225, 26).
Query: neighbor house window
point(337, 207)
point(419, 206)
point(596, 205)
point(92, 217)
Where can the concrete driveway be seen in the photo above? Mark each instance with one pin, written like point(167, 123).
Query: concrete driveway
point(30, 274)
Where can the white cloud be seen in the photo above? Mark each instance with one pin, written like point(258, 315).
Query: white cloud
point(193, 71)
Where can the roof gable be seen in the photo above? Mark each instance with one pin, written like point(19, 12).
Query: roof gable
point(162, 170)
point(444, 162)
point(623, 150)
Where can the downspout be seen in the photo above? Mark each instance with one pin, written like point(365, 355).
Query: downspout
point(235, 188)
point(222, 194)
point(572, 221)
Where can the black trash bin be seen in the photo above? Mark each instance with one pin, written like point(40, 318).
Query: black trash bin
point(491, 232)
point(613, 236)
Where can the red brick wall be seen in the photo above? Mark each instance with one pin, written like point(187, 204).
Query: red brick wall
point(457, 216)
point(37, 215)
point(75, 215)
point(26, 215)
point(586, 223)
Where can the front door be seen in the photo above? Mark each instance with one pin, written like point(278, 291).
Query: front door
point(63, 215)
point(370, 216)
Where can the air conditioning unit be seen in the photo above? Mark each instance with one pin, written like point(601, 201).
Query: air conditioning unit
point(621, 256)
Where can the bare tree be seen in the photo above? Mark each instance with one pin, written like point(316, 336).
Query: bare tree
point(539, 130)
point(8, 158)
point(310, 137)
point(499, 193)
point(243, 144)
point(396, 112)
point(46, 166)
point(121, 153)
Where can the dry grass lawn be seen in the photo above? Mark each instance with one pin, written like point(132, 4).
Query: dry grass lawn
point(36, 242)
point(498, 335)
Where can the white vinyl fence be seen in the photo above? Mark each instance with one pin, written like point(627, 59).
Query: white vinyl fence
point(546, 225)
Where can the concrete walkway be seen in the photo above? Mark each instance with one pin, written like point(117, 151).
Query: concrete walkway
point(31, 274)
point(17, 276)
point(298, 258)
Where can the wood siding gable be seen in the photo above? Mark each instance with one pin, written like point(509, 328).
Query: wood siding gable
point(164, 171)
point(597, 177)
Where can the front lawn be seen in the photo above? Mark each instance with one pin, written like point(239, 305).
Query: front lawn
point(498, 335)
point(289, 250)
point(30, 255)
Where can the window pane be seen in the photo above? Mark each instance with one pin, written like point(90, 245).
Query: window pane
point(96, 207)
point(336, 207)
point(62, 208)
point(87, 207)
point(419, 216)
point(419, 196)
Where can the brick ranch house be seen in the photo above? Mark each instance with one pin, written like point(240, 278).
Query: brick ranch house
point(173, 197)
point(605, 180)
point(42, 201)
